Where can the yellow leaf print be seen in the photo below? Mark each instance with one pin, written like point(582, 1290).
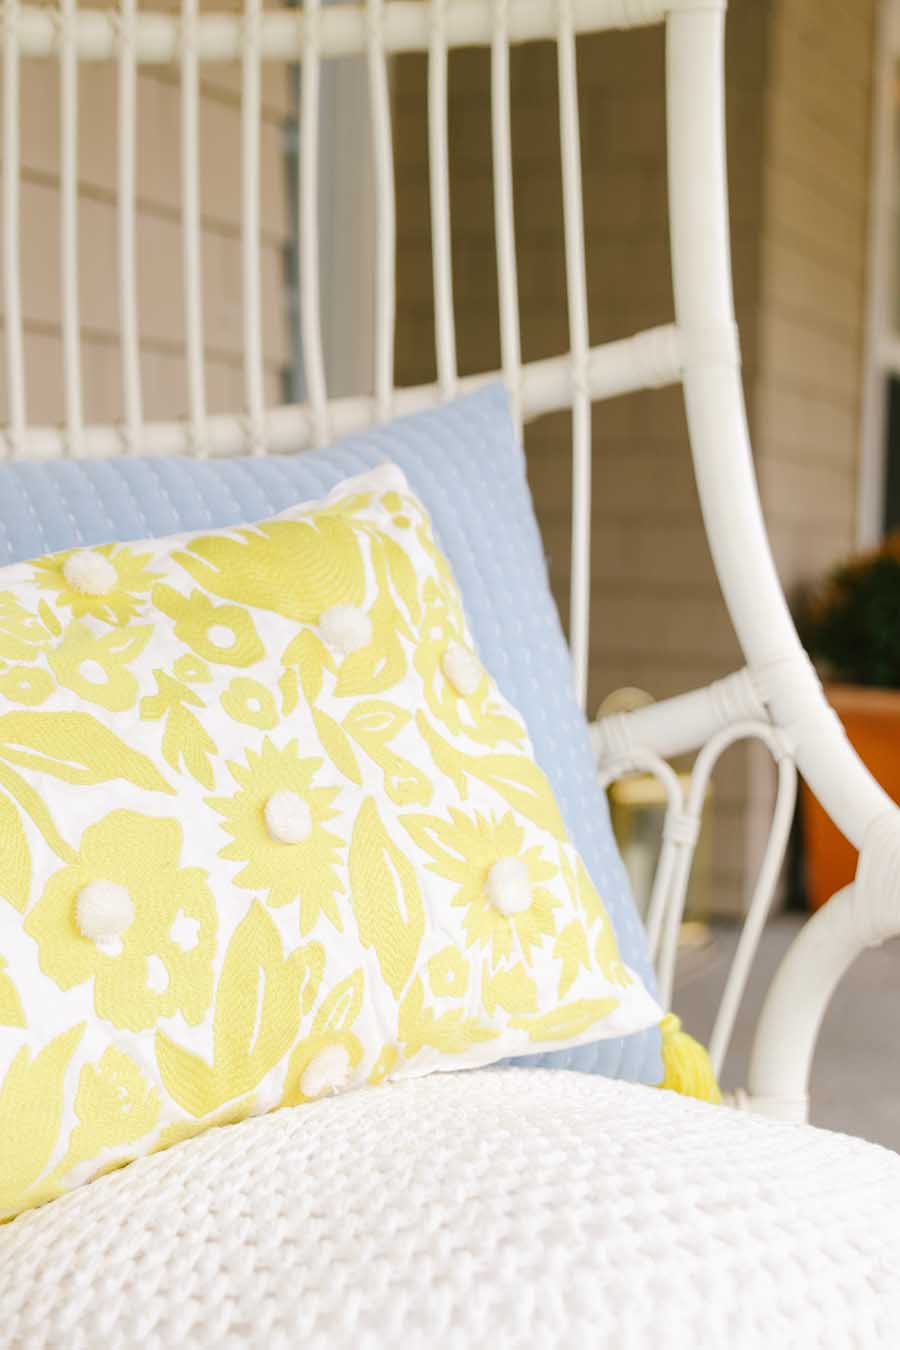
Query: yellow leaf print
point(29, 685)
point(115, 1106)
point(308, 655)
point(451, 1033)
point(96, 668)
point(185, 741)
point(448, 973)
point(331, 1029)
point(342, 1006)
point(250, 702)
point(606, 951)
point(376, 721)
point(448, 759)
point(386, 899)
point(463, 850)
point(223, 634)
point(75, 747)
point(32, 804)
point(403, 577)
point(336, 745)
point(11, 1013)
point(22, 634)
point(163, 961)
point(384, 1065)
point(571, 948)
point(289, 688)
point(179, 1130)
point(285, 871)
point(477, 715)
point(259, 1001)
point(567, 1022)
point(50, 619)
point(373, 725)
point(259, 566)
point(514, 777)
point(520, 782)
point(607, 948)
point(15, 857)
point(119, 605)
point(377, 667)
point(31, 1108)
point(513, 990)
point(382, 663)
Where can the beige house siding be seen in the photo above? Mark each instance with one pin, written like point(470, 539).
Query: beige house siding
point(812, 279)
point(657, 618)
point(158, 239)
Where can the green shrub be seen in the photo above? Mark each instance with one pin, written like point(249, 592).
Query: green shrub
point(853, 622)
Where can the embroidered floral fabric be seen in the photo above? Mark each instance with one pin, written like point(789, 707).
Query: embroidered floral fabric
point(268, 830)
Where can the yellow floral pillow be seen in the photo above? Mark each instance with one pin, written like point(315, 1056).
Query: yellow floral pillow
point(267, 831)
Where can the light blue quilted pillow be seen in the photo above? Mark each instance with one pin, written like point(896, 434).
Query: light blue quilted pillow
point(466, 465)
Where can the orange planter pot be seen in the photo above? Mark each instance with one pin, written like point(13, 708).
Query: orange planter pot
point(871, 718)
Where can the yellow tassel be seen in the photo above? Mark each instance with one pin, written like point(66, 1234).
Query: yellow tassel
point(686, 1064)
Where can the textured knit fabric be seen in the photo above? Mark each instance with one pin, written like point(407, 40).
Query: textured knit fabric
point(512, 1209)
point(464, 462)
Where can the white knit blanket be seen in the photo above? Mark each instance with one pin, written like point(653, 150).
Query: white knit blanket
point(488, 1209)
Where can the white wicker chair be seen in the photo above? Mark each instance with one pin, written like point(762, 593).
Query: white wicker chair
point(159, 1280)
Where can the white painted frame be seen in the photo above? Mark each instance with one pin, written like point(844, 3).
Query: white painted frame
point(881, 352)
point(777, 697)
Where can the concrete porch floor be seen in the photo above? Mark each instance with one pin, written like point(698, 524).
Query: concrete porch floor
point(856, 1072)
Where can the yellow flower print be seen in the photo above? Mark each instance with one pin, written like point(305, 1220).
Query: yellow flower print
point(340, 1052)
point(96, 668)
point(223, 634)
point(191, 669)
point(465, 849)
point(448, 973)
point(162, 962)
point(26, 684)
point(118, 605)
point(116, 1106)
point(300, 866)
point(250, 702)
